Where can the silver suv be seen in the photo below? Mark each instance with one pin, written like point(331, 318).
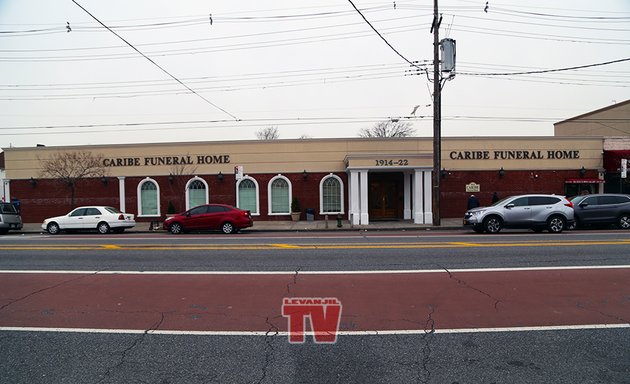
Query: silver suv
point(536, 212)
point(9, 218)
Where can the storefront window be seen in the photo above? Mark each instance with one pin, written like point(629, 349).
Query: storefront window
point(248, 195)
point(197, 193)
point(148, 199)
point(331, 195)
point(279, 196)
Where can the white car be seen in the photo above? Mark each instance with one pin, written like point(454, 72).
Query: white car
point(103, 219)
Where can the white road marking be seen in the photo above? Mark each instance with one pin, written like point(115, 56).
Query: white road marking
point(353, 272)
point(340, 333)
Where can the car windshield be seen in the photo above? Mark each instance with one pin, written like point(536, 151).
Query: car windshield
point(578, 199)
point(8, 208)
point(501, 202)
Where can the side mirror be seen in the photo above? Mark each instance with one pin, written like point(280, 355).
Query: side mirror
point(509, 206)
point(188, 214)
point(582, 205)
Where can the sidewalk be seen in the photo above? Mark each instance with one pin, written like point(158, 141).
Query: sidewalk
point(305, 226)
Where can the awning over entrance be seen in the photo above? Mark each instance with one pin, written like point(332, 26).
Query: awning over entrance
point(583, 181)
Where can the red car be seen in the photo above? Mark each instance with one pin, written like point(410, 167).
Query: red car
point(224, 218)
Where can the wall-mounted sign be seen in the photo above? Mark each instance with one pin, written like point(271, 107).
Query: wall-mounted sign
point(238, 172)
point(514, 155)
point(473, 187)
point(150, 161)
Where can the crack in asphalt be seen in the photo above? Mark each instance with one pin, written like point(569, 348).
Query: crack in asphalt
point(136, 341)
point(583, 307)
point(429, 331)
point(465, 284)
point(295, 276)
point(47, 289)
point(270, 337)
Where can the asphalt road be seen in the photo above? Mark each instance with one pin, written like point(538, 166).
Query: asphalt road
point(518, 324)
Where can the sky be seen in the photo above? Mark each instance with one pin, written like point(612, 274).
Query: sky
point(223, 70)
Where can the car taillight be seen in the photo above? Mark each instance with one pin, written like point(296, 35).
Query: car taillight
point(244, 213)
point(569, 204)
point(121, 217)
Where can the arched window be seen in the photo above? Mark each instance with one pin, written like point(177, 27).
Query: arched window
point(331, 194)
point(247, 195)
point(196, 192)
point(279, 196)
point(148, 198)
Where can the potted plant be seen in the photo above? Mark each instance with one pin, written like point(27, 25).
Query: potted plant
point(295, 209)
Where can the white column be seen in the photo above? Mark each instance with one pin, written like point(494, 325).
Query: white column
point(121, 193)
point(418, 209)
point(428, 198)
point(353, 193)
point(365, 217)
point(407, 190)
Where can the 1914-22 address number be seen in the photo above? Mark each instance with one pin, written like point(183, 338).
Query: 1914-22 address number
point(387, 163)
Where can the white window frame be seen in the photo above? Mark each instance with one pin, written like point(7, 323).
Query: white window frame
point(269, 197)
point(188, 186)
point(238, 183)
point(139, 195)
point(321, 194)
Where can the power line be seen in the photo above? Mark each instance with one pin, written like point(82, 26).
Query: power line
point(381, 36)
point(545, 70)
point(154, 63)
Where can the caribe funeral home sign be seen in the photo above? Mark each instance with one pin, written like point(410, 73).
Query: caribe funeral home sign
point(515, 155)
point(149, 161)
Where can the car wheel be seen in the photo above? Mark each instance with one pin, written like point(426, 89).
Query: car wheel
point(492, 224)
point(624, 221)
point(556, 224)
point(103, 228)
point(228, 228)
point(53, 228)
point(176, 228)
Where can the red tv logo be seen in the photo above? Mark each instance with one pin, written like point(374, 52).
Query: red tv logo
point(325, 315)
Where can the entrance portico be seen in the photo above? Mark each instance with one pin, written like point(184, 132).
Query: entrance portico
point(389, 187)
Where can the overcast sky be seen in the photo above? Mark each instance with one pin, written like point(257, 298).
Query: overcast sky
point(311, 68)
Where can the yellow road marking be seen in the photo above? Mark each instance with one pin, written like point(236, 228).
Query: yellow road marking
point(258, 247)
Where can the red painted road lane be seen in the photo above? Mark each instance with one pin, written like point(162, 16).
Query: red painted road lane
point(393, 301)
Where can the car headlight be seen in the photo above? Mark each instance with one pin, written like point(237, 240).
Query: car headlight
point(478, 213)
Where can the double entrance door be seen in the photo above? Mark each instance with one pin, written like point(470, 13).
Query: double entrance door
point(385, 196)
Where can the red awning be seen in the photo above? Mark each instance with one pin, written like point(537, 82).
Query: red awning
point(583, 181)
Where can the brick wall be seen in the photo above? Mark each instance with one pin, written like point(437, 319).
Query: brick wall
point(53, 198)
point(454, 197)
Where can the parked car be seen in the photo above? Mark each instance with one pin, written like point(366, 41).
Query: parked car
point(607, 208)
point(536, 212)
point(102, 219)
point(225, 218)
point(10, 218)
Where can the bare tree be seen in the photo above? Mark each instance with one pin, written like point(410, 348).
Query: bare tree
point(389, 128)
point(178, 183)
point(71, 167)
point(269, 133)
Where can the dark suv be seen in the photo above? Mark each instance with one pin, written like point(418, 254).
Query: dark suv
point(602, 209)
point(9, 218)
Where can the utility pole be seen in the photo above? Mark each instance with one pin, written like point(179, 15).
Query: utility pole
point(437, 116)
